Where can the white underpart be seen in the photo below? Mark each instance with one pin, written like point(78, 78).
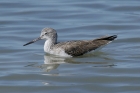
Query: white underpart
point(57, 51)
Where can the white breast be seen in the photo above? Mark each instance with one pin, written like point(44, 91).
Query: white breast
point(47, 46)
point(54, 51)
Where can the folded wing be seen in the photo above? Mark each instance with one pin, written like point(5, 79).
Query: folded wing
point(80, 47)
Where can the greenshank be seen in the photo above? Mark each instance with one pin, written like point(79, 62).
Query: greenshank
point(70, 48)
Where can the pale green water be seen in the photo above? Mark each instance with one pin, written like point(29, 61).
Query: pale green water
point(114, 69)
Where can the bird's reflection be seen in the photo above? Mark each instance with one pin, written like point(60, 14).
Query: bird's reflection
point(51, 62)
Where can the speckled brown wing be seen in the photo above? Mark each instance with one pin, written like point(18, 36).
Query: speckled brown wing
point(80, 47)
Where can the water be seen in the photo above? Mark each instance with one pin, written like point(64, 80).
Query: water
point(114, 69)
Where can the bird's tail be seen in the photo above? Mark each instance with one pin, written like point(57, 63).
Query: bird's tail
point(109, 38)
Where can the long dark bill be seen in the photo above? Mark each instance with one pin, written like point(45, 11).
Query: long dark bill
point(32, 41)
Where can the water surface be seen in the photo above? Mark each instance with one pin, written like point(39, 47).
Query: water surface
point(114, 69)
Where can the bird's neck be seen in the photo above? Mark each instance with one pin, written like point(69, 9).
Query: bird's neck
point(49, 43)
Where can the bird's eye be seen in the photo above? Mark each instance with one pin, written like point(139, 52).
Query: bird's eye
point(46, 33)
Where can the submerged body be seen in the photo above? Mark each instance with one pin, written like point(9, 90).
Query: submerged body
point(70, 48)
